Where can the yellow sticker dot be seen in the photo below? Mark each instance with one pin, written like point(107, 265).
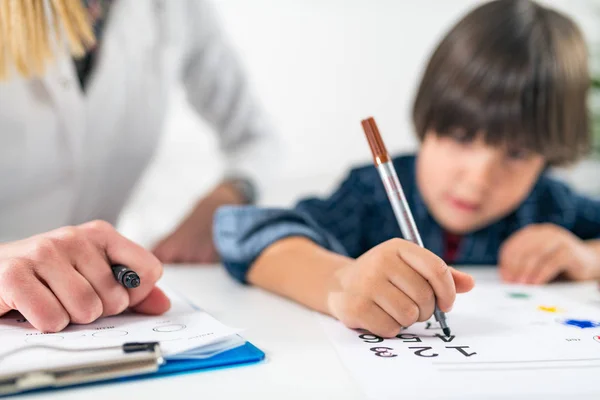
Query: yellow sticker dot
point(549, 309)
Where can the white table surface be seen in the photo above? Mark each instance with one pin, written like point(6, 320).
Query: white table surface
point(301, 363)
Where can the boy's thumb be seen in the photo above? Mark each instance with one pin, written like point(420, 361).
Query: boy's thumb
point(463, 282)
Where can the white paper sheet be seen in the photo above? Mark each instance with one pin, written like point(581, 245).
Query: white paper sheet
point(182, 329)
point(508, 342)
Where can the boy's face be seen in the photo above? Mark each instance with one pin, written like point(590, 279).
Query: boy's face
point(468, 185)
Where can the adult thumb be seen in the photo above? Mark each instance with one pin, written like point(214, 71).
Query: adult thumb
point(155, 303)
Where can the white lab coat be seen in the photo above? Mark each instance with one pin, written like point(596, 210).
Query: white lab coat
point(67, 157)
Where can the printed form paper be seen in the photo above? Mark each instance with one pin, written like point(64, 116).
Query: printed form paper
point(507, 342)
point(182, 330)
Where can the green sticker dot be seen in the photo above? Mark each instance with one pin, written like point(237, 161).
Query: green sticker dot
point(517, 295)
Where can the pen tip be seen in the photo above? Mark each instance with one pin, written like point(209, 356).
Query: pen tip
point(446, 331)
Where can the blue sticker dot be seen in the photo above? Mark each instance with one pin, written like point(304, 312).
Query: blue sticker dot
point(581, 323)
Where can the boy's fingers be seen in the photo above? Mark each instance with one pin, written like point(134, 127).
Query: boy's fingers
point(505, 252)
point(548, 274)
point(514, 252)
point(378, 322)
point(511, 247)
point(358, 312)
point(505, 264)
point(401, 307)
point(155, 303)
point(433, 269)
point(550, 267)
point(534, 263)
point(509, 261)
point(511, 267)
point(505, 275)
point(524, 267)
point(409, 283)
point(463, 281)
point(539, 249)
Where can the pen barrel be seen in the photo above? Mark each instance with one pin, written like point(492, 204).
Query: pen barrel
point(440, 317)
point(126, 276)
point(404, 217)
point(399, 204)
point(119, 271)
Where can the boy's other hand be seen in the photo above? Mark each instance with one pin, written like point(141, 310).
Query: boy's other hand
point(393, 286)
point(64, 276)
point(539, 253)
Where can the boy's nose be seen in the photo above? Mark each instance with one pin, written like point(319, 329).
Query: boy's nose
point(480, 172)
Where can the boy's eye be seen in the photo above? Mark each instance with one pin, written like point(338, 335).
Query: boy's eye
point(460, 136)
point(518, 154)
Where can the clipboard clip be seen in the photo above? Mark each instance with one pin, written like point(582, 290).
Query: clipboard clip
point(141, 358)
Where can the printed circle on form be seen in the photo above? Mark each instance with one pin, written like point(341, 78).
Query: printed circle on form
point(169, 328)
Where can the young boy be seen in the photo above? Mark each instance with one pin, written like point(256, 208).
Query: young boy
point(502, 99)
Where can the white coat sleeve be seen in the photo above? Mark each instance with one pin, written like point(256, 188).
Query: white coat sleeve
point(218, 89)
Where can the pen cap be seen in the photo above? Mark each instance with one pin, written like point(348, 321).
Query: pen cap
point(380, 154)
point(131, 280)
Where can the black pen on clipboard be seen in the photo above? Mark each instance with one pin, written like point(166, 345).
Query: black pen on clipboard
point(125, 276)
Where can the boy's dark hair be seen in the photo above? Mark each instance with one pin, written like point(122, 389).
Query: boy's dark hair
point(516, 72)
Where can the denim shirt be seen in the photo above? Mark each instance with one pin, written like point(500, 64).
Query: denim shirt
point(358, 216)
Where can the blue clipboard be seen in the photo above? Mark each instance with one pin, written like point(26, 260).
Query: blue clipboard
point(242, 355)
point(245, 354)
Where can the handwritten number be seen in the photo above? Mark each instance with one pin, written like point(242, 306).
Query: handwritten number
point(421, 350)
point(370, 338)
point(384, 352)
point(445, 338)
point(461, 350)
point(409, 338)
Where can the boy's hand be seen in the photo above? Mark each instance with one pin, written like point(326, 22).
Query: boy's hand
point(64, 276)
point(539, 253)
point(392, 286)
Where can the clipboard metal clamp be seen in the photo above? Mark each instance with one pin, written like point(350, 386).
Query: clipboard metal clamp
point(141, 358)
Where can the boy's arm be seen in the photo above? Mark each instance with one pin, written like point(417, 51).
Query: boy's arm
point(393, 285)
point(336, 223)
point(301, 254)
point(299, 269)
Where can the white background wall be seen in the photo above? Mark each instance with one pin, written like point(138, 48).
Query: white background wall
point(318, 67)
